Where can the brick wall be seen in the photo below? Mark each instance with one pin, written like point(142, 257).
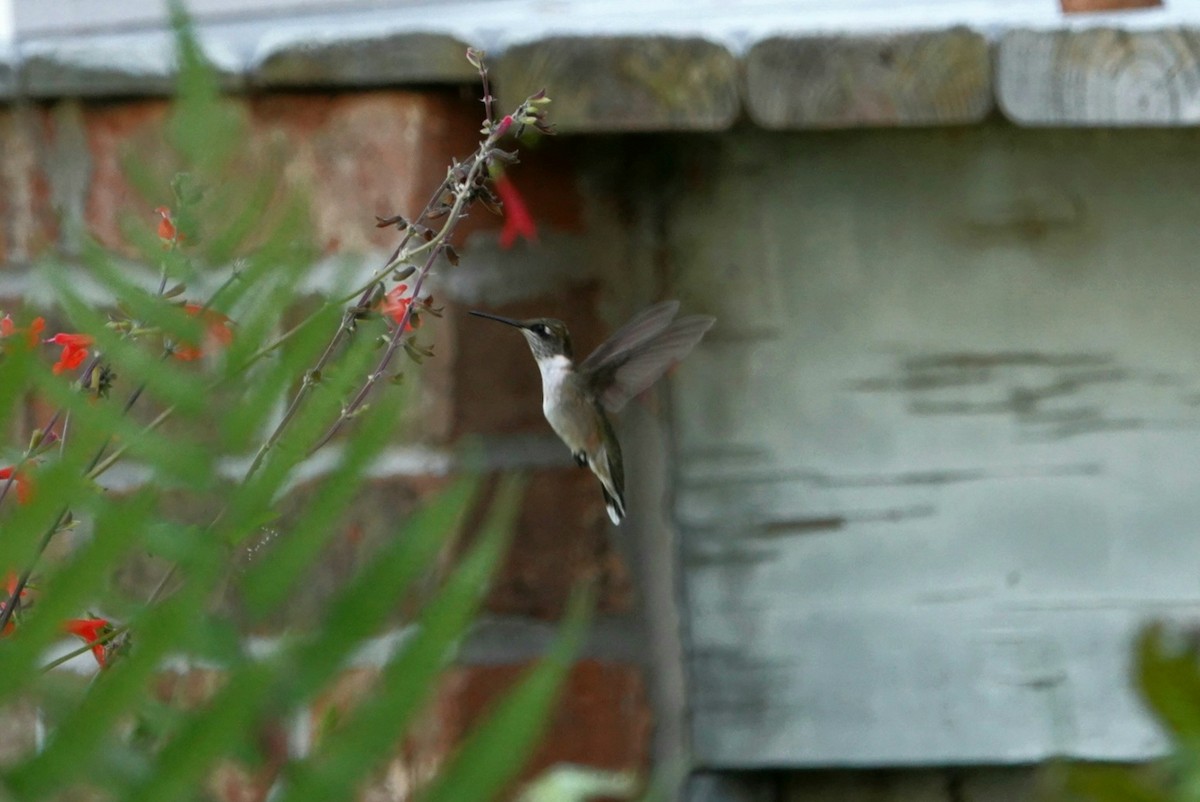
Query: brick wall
point(360, 154)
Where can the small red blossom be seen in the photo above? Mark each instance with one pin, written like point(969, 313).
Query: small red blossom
point(518, 222)
point(32, 334)
point(503, 126)
point(217, 333)
point(74, 350)
point(396, 303)
point(167, 232)
point(24, 486)
point(91, 630)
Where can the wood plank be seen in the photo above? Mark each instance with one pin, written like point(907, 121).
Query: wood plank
point(124, 64)
point(626, 83)
point(7, 74)
point(716, 786)
point(843, 81)
point(310, 57)
point(940, 455)
point(1100, 76)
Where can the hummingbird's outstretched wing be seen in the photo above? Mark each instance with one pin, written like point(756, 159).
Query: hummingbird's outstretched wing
point(637, 330)
point(640, 352)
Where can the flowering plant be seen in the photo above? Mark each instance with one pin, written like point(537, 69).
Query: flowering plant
point(195, 386)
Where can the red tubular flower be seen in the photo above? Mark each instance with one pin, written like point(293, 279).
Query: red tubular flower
point(32, 334)
point(518, 222)
point(35, 331)
point(217, 333)
point(167, 232)
point(75, 350)
point(396, 303)
point(24, 486)
point(91, 630)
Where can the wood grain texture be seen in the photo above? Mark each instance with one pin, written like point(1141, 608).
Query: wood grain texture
point(940, 456)
point(714, 786)
point(934, 78)
point(7, 82)
point(1100, 76)
point(400, 58)
point(626, 83)
point(1094, 6)
point(118, 65)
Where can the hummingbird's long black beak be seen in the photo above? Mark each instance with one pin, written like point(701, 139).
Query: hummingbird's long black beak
point(507, 320)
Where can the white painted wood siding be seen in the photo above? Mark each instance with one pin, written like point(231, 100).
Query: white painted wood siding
point(941, 453)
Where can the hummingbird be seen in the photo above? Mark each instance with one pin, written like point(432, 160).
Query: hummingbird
point(577, 398)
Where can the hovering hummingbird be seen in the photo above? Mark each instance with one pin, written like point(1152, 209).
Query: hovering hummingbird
point(575, 398)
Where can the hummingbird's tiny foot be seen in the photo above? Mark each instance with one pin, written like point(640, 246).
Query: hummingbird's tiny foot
point(580, 459)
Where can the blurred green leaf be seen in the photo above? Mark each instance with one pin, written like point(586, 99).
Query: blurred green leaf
point(495, 752)
point(267, 584)
point(1105, 783)
point(408, 680)
point(1169, 679)
point(179, 496)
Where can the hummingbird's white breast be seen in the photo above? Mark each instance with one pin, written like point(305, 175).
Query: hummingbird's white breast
point(565, 404)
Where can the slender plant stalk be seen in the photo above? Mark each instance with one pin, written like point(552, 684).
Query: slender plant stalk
point(464, 183)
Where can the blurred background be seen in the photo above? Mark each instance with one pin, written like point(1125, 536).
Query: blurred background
point(896, 522)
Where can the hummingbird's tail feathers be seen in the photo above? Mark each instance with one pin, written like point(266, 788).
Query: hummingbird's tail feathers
point(607, 464)
point(614, 505)
point(646, 363)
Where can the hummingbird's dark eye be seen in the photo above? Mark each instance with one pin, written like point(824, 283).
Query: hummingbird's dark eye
point(540, 330)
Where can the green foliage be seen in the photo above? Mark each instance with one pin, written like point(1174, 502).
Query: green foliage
point(214, 465)
point(1167, 672)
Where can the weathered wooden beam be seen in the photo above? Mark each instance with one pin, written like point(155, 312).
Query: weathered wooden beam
point(626, 83)
point(312, 58)
point(731, 786)
point(124, 64)
point(7, 80)
point(933, 78)
point(1100, 76)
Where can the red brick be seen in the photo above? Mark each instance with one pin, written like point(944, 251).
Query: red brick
point(372, 521)
point(229, 780)
point(547, 182)
point(415, 760)
point(190, 689)
point(352, 155)
point(234, 781)
point(18, 731)
point(330, 709)
point(497, 388)
point(358, 155)
point(116, 132)
point(602, 718)
point(561, 540)
point(28, 223)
